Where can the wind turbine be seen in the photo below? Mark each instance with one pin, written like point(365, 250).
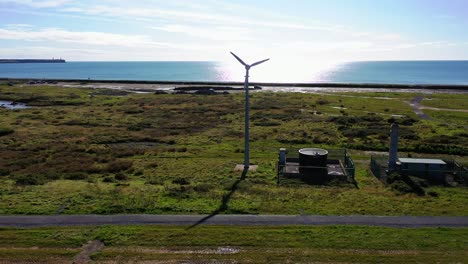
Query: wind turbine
point(247, 106)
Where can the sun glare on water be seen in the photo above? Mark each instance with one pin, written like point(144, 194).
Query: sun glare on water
point(278, 70)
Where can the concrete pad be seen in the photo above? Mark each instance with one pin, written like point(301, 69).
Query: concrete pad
point(240, 167)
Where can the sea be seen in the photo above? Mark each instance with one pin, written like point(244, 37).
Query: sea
point(391, 72)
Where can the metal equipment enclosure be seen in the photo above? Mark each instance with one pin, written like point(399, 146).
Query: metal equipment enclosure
point(315, 166)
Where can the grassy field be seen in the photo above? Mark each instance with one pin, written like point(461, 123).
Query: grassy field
point(440, 101)
point(227, 244)
point(104, 152)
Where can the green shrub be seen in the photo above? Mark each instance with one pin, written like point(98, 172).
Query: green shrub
point(408, 121)
point(419, 181)
point(120, 176)
point(181, 149)
point(322, 101)
point(25, 179)
point(108, 179)
point(119, 165)
point(405, 184)
point(154, 180)
point(180, 181)
point(4, 172)
point(134, 111)
point(267, 123)
point(178, 191)
point(203, 187)
point(127, 152)
point(76, 176)
point(5, 131)
point(139, 126)
point(440, 149)
point(401, 187)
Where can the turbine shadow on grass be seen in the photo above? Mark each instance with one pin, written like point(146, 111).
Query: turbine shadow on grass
point(224, 202)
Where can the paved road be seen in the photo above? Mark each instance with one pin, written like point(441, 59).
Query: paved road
point(193, 220)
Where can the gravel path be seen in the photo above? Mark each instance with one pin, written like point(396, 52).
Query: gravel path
point(87, 250)
point(416, 105)
point(249, 220)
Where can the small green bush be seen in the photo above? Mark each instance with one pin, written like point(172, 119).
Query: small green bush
point(267, 123)
point(138, 126)
point(404, 184)
point(4, 172)
point(322, 101)
point(134, 111)
point(181, 181)
point(154, 180)
point(119, 165)
point(5, 131)
point(108, 179)
point(25, 179)
point(401, 187)
point(120, 176)
point(419, 181)
point(203, 187)
point(408, 121)
point(178, 191)
point(76, 176)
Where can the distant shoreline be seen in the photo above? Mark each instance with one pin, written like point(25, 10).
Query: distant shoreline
point(261, 84)
point(236, 87)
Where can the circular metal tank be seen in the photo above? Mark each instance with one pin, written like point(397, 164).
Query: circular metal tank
point(312, 160)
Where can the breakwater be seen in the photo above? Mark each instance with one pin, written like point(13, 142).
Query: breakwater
point(32, 61)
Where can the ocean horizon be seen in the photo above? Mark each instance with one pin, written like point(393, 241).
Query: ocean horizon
point(450, 72)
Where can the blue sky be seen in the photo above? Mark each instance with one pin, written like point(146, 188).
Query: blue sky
point(305, 30)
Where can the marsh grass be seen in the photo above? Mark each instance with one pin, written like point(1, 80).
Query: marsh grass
point(160, 153)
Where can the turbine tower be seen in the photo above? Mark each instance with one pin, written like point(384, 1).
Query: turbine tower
point(247, 106)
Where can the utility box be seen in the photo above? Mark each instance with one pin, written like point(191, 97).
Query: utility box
point(430, 169)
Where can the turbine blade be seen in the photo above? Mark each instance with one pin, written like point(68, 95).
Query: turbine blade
point(258, 62)
point(239, 59)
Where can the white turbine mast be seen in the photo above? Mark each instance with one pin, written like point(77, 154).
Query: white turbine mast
point(246, 88)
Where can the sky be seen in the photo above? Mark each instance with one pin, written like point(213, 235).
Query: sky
point(323, 32)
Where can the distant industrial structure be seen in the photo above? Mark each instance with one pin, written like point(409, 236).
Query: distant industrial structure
point(433, 170)
point(315, 166)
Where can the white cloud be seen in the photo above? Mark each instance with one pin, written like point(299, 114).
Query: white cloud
point(40, 52)
point(435, 44)
point(213, 20)
point(142, 12)
point(89, 38)
point(204, 30)
point(221, 33)
point(75, 45)
point(37, 3)
point(19, 26)
point(209, 19)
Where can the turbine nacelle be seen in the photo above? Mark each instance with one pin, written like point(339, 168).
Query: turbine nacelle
point(247, 66)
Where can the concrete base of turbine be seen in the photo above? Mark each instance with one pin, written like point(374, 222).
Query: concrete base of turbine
point(240, 167)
